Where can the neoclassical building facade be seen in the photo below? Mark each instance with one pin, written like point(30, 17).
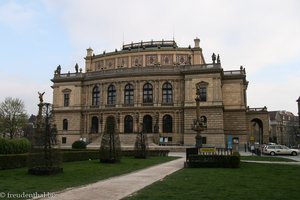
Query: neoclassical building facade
point(152, 86)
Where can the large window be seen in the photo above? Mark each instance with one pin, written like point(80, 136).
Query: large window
point(167, 93)
point(148, 93)
point(66, 99)
point(202, 90)
point(128, 97)
point(96, 92)
point(167, 124)
point(128, 124)
point(111, 95)
point(65, 124)
point(95, 125)
point(147, 124)
point(203, 93)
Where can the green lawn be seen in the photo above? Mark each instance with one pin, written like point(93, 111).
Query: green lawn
point(251, 181)
point(75, 174)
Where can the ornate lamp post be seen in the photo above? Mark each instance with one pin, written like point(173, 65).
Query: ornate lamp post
point(199, 123)
point(299, 110)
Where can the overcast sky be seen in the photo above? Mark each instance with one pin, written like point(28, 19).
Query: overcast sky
point(261, 35)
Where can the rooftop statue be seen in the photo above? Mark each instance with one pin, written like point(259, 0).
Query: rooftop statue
point(41, 96)
point(213, 57)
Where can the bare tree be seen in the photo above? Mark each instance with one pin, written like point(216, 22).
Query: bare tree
point(13, 116)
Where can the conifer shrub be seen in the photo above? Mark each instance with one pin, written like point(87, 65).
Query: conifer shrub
point(110, 149)
point(141, 146)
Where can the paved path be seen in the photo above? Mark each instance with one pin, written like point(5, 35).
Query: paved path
point(271, 162)
point(121, 186)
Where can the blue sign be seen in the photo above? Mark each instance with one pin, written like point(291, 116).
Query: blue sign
point(229, 142)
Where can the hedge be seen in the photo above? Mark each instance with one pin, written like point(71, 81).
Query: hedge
point(14, 146)
point(11, 161)
point(215, 161)
point(70, 156)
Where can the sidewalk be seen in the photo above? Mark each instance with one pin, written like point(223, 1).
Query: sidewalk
point(271, 162)
point(119, 187)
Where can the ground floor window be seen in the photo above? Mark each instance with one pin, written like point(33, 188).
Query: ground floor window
point(128, 124)
point(167, 124)
point(95, 125)
point(147, 124)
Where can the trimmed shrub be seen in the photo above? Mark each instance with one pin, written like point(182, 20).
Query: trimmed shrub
point(141, 146)
point(79, 144)
point(14, 146)
point(69, 156)
point(12, 161)
point(213, 161)
point(110, 150)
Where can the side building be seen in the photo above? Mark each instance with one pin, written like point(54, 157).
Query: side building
point(284, 128)
point(155, 84)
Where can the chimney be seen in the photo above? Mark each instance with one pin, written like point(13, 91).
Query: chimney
point(89, 52)
point(197, 43)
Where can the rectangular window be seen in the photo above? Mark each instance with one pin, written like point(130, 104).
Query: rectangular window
point(203, 93)
point(66, 99)
point(63, 140)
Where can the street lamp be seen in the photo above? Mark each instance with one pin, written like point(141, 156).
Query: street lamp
point(199, 124)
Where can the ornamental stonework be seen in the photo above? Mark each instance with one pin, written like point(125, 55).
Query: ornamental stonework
point(99, 65)
point(110, 63)
point(123, 62)
point(182, 59)
point(151, 60)
point(167, 59)
point(136, 61)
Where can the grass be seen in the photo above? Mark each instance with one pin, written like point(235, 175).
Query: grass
point(251, 181)
point(266, 158)
point(78, 173)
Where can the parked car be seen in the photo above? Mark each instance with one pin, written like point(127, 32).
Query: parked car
point(279, 150)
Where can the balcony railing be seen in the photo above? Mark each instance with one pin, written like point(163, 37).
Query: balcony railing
point(138, 70)
point(257, 109)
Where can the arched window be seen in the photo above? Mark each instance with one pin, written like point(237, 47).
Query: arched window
point(128, 97)
point(167, 93)
point(65, 124)
point(167, 124)
point(111, 95)
point(147, 124)
point(95, 125)
point(148, 93)
point(96, 92)
point(128, 124)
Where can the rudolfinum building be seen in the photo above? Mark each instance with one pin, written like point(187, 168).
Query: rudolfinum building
point(152, 86)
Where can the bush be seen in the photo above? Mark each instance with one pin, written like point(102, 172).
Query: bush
point(14, 146)
point(12, 161)
point(79, 144)
point(69, 156)
point(222, 161)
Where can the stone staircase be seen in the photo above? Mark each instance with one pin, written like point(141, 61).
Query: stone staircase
point(127, 141)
